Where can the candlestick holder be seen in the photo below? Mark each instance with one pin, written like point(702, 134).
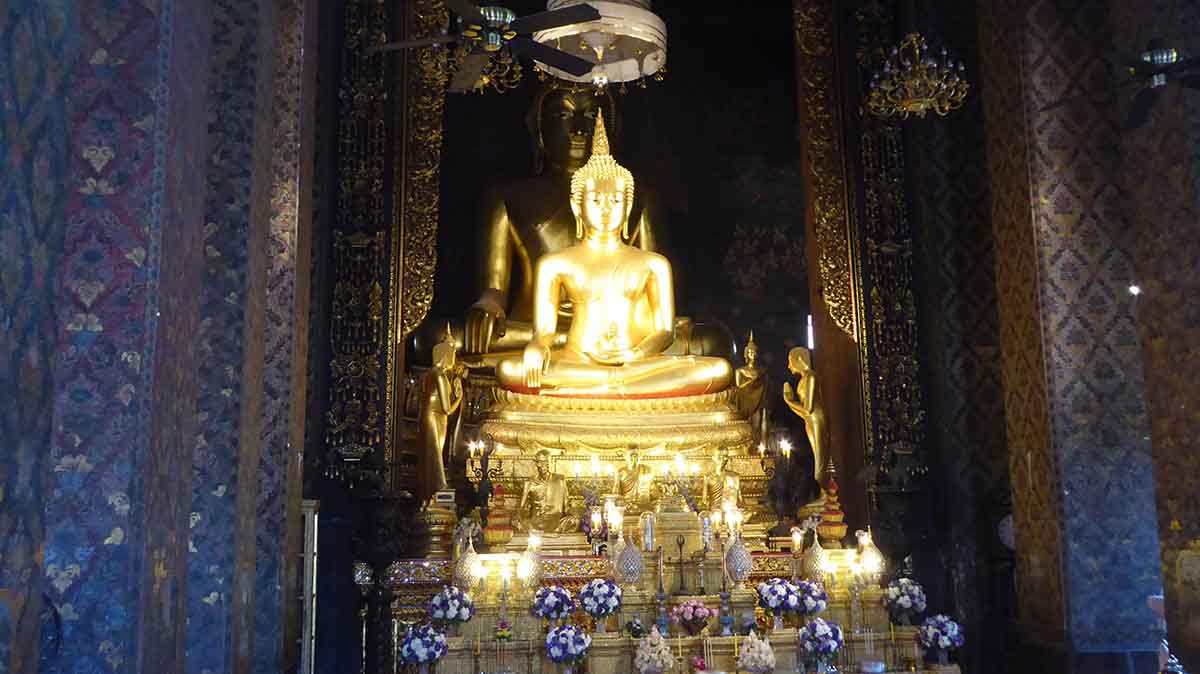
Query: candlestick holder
point(680, 586)
point(479, 469)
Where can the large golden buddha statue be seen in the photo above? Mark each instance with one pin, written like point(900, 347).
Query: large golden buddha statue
point(522, 218)
point(525, 218)
point(622, 301)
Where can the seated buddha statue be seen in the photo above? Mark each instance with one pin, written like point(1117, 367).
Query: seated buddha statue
point(622, 302)
point(521, 218)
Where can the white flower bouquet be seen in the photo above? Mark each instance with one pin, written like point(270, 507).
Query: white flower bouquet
point(756, 655)
point(940, 631)
point(820, 641)
point(939, 634)
point(567, 644)
point(904, 598)
point(813, 598)
point(778, 596)
point(553, 603)
point(600, 598)
point(423, 645)
point(451, 605)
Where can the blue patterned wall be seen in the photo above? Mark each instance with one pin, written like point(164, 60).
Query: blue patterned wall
point(113, 515)
point(37, 43)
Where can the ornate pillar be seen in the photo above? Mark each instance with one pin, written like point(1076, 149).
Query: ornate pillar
point(231, 400)
point(1072, 368)
point(279, 530)
point(1161, 175)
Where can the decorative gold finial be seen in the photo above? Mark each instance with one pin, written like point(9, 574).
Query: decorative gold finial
point(450, 335)
point(600, 137)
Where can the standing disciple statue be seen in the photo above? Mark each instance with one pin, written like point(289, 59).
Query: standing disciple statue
point(441, 396)
point(805, 401)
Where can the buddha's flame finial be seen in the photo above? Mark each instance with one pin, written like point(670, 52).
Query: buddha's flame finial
point(600, 137)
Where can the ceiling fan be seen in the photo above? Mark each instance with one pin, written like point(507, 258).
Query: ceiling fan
point(1155, 67)
point(488, 29)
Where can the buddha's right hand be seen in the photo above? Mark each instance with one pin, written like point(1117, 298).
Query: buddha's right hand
point(534, 360)
point(485, 322)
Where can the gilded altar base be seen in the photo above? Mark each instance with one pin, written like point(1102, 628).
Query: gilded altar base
point(692, 425)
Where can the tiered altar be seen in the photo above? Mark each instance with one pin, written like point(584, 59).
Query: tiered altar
point(605, 447)
point(854, 604)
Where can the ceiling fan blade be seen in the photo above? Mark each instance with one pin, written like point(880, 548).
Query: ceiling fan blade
point(550, 56)
point(469, 12)
point(469, 71)
point(410, 44)
point(555, 18)
point(1139, 110)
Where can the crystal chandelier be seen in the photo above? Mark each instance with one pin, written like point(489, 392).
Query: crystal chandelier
point(913, 82)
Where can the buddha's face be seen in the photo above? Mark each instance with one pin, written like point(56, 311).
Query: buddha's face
point(604, 207)
point(751, 354)
point(568, 120)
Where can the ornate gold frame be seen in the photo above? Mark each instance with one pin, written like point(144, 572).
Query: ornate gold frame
point(814, 26)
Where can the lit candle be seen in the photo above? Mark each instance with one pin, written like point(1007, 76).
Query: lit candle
point(595, 466)
point(786, 446)
point(577, 468)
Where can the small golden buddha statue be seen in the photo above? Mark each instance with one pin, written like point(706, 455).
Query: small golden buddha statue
point(805, 401)
point(750, 382)
point(727, 485)
point(441, 396)
point(544, 499)
point(634, 479)
point(622, 300)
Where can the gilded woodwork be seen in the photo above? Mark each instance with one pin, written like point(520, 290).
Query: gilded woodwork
point(814, 28)
point(357, 336)
point(891, 345)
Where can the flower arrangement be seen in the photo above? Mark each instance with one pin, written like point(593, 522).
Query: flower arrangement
point(698, 664)
point(940, 632)
point(653, 654)
point(813, 598)
point(756, 655)
point(451, 605)
point(692, 615)
point(504, 631)
point(820, 641)
point(635, 628)
point(600, 598)
point(904, 598)
point(778, 595)
point(423, 645)
point(553, 603)
point(567, 644)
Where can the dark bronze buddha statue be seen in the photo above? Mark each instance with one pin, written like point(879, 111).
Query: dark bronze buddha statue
point(523, 218)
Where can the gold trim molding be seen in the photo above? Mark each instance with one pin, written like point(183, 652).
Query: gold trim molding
point(418, 184)
point(813, 21)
